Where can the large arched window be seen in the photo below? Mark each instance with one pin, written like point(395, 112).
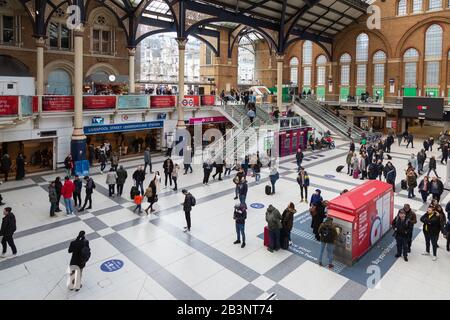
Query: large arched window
point(321, 63)
point(293, 64)
point(362, 56)
point(417, 6)
point(59, 82)
point(402, 6)
point(434, 4)
point(433, 54)
point(307, 62)
point(379, 61)
point(410, 60)
point(345, 62)
point(103, 33)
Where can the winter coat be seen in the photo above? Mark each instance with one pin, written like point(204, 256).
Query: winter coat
point(299, 156)
point(111, 177)
point(187, 205)
point(115, 160)
point(411, 180)
point(432, 164)
point(168, 166)
point(436, 187)
point(122, 175)
point(315, 199)
point(90, 185)
point(349, 158)
point(243, 189)
point(52, 194)
point(287, 219)
point(431, 223)
point(421, 157)
point(75, 249)
point(332, 227)
point(78, 186)
point(8, 225)
point(413, 162)
point(303, 181)
point(175, 172)
point(273, 218)
point(401, 227)
point(240, 214)
point(422, 186)
point(6, 163)
point(67, 189)
point(139, 176)
point(147, 157)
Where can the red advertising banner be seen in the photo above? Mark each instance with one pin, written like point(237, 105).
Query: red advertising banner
point(57, 103)
point(35, 104)
point(99, 102)
point(196, 100)
point(162, 101)
point(207, 120)
point(208, 100)
point(9, 105)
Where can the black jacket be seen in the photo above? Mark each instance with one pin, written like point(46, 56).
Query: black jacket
point(401, 228)
point(431, 224)
point(78, 185)
point(187, 205)
point(139, 175)
point(8, 225)
point(287, 219)
point(432, 164)
point(240, 214)
point(122, 175)
point(168, 166)
point(75, 249)
point(299, 156)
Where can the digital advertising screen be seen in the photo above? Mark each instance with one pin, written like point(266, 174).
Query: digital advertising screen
point(423, 108)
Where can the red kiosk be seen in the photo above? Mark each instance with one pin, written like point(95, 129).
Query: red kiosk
point(363, 215)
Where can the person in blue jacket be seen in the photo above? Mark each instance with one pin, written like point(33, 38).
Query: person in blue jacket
point(316, 198)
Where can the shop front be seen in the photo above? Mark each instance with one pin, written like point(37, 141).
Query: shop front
point(218, 122)
point(291, 140)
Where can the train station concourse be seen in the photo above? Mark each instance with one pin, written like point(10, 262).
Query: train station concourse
point(249, 150)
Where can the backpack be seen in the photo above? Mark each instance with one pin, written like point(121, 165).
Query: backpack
point(326, 234)
point(193, 201)
point(85, 253)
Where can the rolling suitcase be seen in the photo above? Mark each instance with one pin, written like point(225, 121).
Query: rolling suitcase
point(404, 185)
point(339, 168)
point(355, 174)
point(268, 190)
point(266, 236)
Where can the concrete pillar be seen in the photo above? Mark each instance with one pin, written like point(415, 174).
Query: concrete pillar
point(40, 43)
point(181, 58)
point(78, 144)
point(132, 85)
point(280, 61)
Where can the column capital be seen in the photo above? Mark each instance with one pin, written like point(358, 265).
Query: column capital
point(181, 43)
point(79, 31)
point(131, 51)
point(280, 57)
point(40, 42)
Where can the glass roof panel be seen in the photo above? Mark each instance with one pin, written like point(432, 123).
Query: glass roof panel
point(158, 6)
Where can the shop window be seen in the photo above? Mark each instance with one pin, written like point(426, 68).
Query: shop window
point(417, 6)
point(402, 8)
point(59, 36)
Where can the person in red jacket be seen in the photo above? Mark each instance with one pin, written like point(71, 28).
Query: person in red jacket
point(67, 192)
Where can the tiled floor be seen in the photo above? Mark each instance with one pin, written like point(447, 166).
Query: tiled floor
point(162, 262)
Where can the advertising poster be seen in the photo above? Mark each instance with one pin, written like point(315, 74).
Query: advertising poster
point(99, 102)
point(57, 103)
point(208, 100)
point(35, 103)
point(162, 101)
point(133, 102)
point(207, 120)
point(195, 99)
point(9, 105)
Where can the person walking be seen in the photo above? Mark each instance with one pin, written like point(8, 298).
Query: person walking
point(410, 140)
point(207, 168)
point(362, 166)
point(237, 180)
point(401, 226)
point(189, 202)
point(6, 165)
point(348, 161)
point(274, 176)
point(444, 150)
point(399, 138)
point(168, 169)
point(115, 161)
point(58, 187)
point(431, 143)
point(413, 161)
point(187, 159)
point(91, 154)
point(243, 189)
point(273, 219)
point(77, 191)
point(228, 166)
point(327, 235)
point(102, 159)
point(239, 216)
point(52, 197)
point(219, 169)
point(432, 166)
point(421, 157)
point(303, 182)
point(355, 166)
point(1, 201)
point(412, 218)
point(411, 182)
point(424, 188)
point(122, 176)
point(175, 173)
point(287, 223)
point(147, 159)
point(67, 193)
point(111, 180)
point(299, 158)
point(436, 188)
point(139, 177)
point(68, 165)
point(152, 195)
point(7, 231)
point(81, 252)
point(390, 174)
point(90, 186)
point(20, 167)
point(138, 202)
point(431, 228)
point(257, 170)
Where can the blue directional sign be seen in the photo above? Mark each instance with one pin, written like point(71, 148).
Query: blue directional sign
point(257, 205)
point(111, 265)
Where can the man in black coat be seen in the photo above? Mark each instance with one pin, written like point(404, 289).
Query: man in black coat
point(139, 177)
point(389, 143)
point(7, 231)
point(80, 250)
point(401, 226)
point(90, 186)
point(432, 166)
point(187, 208)
point(168, 169)
point(299, 157)
point(5, 165)
point(444, 153)
point(410, 139)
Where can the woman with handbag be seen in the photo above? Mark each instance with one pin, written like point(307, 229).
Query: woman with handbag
point(152, 196)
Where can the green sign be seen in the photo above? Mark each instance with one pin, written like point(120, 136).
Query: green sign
point(360, 90)
point(380, 92)
point(320, 92)
point(344, 92)
point(409, 92)
point(432, 92)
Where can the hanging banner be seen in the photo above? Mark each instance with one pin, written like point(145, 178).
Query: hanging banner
point(208, 100)
point(195, 101)
point(9, 105)
point(133, 102)
point(57, 103)
point(207, 120)
point(99, 102)
point(162, 101)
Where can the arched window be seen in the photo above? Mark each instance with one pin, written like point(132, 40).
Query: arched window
point(293, 64)
point(434, 4)
point(417, 6)
point(362, 47)
point(321, 63)
point(433, 54)
point(410, 60)
point(59, 35)
point(345, 61)
point(102, 32)
point(59, 82)
point(402, 8)
point(307, 61)
point(379, 61)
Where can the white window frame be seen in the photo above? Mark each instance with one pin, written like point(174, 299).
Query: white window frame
point(58, 47)
point(402, 8)
point(361, 75)
point(307, 75)
point(417, 6)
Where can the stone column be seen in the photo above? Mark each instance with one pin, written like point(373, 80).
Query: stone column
point(132, 85)
point(40, 42)
point(280, 61)
point(78, 145)
point(181, 58)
